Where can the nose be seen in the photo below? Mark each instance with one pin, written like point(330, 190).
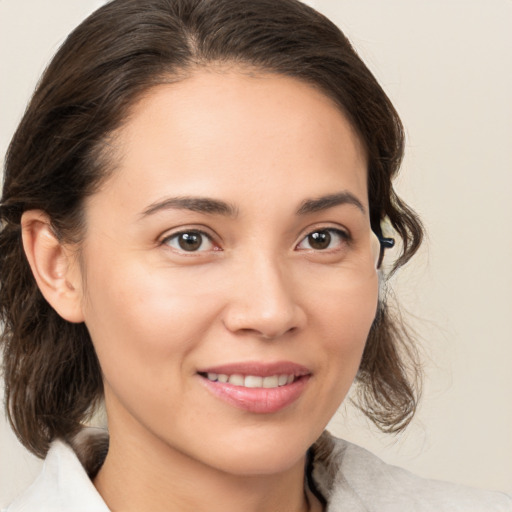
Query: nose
point(263, 300)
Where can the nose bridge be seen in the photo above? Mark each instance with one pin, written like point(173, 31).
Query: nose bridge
point(263, 298)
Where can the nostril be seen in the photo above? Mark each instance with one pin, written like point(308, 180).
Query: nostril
point(271, 336)
point(266, 334)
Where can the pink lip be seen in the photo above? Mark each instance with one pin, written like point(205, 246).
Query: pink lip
point(258, 400)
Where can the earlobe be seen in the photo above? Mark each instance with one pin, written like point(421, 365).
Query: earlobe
point(54, 266)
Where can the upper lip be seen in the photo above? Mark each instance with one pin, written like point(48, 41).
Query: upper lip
point(258, 369)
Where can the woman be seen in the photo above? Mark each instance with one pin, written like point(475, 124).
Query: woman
point(192, 215)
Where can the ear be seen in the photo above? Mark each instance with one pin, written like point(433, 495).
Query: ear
point(54, 265)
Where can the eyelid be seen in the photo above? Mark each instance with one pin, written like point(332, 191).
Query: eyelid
point(340, 231)
point(163, 239)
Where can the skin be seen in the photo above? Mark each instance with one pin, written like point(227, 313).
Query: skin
point(256, 290)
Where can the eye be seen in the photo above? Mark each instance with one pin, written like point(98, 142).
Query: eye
point(323, 239)
point(190, 241)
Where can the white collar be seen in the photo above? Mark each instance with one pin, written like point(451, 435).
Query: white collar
point(62, 486)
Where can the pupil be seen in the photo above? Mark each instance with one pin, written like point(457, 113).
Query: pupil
point(190, 241)
point(319, 239)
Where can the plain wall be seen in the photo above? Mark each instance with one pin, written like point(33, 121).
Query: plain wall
point(446, 65)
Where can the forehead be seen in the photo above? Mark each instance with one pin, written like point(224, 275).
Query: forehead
point(226, 129)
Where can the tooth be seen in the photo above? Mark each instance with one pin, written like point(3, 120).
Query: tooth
point(236, 380)
point(253, 382)
point(282, 380)
point(271, 382)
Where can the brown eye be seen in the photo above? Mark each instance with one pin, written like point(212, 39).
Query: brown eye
point(190, 241)
point(319, 240)
point(323, 239)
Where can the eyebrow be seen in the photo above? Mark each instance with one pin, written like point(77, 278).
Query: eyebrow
point(329, 201)
point(195, 204)
point(217, 207)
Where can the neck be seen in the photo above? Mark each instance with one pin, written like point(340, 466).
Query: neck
point(148, 474)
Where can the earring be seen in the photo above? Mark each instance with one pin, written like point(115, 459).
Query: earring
point(385, 243)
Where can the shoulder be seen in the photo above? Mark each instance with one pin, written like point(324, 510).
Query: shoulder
point(62, 486)
point(353, 479)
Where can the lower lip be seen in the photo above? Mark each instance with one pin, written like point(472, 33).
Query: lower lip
point(258, 400)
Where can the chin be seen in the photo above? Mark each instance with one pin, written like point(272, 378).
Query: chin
point(264, 463)
point(262, 453)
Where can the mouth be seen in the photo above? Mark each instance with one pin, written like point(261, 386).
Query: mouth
point(251, 381)
point(257, 388)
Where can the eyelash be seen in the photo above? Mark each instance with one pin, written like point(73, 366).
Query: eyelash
point(194, 232)
point(342, 236)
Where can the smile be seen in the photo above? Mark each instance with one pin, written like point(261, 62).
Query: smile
point(252, 381)
point(255, 387)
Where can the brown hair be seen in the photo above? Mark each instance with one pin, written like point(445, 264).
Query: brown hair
point(58, 157)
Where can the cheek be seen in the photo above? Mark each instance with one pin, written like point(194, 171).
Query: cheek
point(143, 323)
point(347, 310)
point(144, 331)
point(345, 318)
point(341, 318)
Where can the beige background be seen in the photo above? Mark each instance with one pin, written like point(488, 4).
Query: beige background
point(447, 66)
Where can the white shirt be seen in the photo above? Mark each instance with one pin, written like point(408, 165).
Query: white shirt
point(350, 478)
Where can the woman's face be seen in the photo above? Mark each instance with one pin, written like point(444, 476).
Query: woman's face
point(231, 243)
